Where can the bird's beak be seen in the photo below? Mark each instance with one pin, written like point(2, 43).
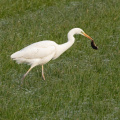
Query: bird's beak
point(87, 36)
point(92, 41)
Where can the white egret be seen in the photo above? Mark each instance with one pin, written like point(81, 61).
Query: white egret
point(42, 52)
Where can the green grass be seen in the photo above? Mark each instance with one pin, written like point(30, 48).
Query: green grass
point(82, 84)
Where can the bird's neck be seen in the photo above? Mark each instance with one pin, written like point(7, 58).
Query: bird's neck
point(68, 44)
point(70, 41)
point(63, 47)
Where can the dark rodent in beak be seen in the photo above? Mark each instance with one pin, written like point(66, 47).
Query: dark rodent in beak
point(93, 45)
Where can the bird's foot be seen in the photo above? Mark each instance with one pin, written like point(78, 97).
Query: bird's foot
point(43, 77)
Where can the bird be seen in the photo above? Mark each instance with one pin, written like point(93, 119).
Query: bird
point(40, 53)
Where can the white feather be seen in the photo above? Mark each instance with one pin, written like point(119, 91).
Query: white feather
point(36, 53)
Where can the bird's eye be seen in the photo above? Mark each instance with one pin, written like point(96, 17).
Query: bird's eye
point(82, 32)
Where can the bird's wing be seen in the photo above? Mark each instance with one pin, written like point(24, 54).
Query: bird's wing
point(34, 52)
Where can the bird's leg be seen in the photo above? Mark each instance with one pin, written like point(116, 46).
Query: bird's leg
point(43, 73)
point(26, 74)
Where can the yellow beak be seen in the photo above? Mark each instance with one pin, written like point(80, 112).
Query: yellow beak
point(92, 41)
point(87, 36)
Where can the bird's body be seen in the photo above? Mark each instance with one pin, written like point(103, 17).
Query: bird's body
point(38, 53)
point(42, 52)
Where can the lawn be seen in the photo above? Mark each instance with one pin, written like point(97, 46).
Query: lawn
point(83, 83)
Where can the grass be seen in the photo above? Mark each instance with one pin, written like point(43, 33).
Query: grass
point(82, 84)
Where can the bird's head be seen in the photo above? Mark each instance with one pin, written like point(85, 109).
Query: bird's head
point(80, 31)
